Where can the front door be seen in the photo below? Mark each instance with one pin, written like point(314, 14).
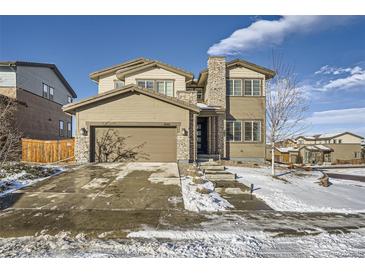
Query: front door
point(201, 135)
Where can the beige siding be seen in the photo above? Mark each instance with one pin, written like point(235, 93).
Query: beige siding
point(106, 83)
point(247, 108)
point(347, 139)
point(241, 72)
point(344, 151)
point(132, 107)
point(158, 73)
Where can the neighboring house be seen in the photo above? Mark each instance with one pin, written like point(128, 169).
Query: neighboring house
point(328, 148)
point(285, 155)
point(41, 91)
point(171, 116)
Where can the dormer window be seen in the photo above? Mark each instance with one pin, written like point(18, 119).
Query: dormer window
point(165, 87)
point(145, 84)
point(118, 84)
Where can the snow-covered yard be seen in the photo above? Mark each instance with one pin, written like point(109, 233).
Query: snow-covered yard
point(187, 244)
point(15, 176)
point(347, 171)
point(299, 191)
point(202, 197)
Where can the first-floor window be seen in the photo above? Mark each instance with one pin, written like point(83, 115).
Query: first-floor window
point(61, 128)
point(69, 129)
point(233, 129)
point(357, 155)
point(252, 131)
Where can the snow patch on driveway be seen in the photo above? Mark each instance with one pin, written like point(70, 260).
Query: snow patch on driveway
point(166, 173)
point(196, 201)
point(301, 192)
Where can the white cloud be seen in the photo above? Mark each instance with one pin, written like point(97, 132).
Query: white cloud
point(338, 116)
point(337, 120)
point(265, 32)
point(355, 79)
point(336, 71)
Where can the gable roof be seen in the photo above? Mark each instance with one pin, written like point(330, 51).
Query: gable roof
point(328, 136)
point(71, 108)
point(136, 65)
point(241, 63)
point(46, 65)
point(317, 148)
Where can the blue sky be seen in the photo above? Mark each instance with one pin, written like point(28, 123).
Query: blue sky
point(328, 52)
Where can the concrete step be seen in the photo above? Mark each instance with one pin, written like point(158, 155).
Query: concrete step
point(218, 175)
point(209, 163)
point(212, 167)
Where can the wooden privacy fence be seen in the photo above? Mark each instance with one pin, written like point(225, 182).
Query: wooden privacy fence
point(48, 151)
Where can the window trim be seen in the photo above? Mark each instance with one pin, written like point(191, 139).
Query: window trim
point(43, 92)
point(49, 94)
point(233, 135)
point(61, 132)
point(243, 86)
point(233, 81)
point(115, 81)
point(69, 132)
point(252, 134)
point(155, 84)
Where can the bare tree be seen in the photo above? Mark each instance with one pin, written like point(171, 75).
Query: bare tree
point(9, 133)
point(286, 106)
point(112, 148)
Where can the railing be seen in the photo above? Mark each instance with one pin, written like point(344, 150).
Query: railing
point(48, 151)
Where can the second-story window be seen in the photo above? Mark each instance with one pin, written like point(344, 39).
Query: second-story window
point(165, 87)
point(145, 84)
point(45, 90)
point(51, 93)
point(252, 87)
point(69, 99)
point(234, 87)
point(118, 84)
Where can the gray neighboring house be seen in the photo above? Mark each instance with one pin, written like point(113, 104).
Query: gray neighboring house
point(40, 90)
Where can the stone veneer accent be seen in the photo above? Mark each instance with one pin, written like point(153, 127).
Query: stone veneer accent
point(188, 96)
point(192, 136)
point(82, 149)
point(221, 135)
point(215, 92)
point(182, 148)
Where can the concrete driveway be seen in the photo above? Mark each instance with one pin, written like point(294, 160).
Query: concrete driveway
point(132, 186)
point(102, 200)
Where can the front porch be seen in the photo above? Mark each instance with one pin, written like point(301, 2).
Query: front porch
point(210, 134)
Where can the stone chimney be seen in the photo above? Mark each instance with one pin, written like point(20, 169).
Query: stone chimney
point(215, 93)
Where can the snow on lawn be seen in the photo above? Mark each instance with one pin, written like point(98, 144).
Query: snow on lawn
point(15, 176)
point(301, 192)
point(202, 197)
point(187, 244)
point(347, 171)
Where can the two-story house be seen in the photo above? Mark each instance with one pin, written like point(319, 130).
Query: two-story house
point(330, 147)
point(170, 116)
point(40, 91)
